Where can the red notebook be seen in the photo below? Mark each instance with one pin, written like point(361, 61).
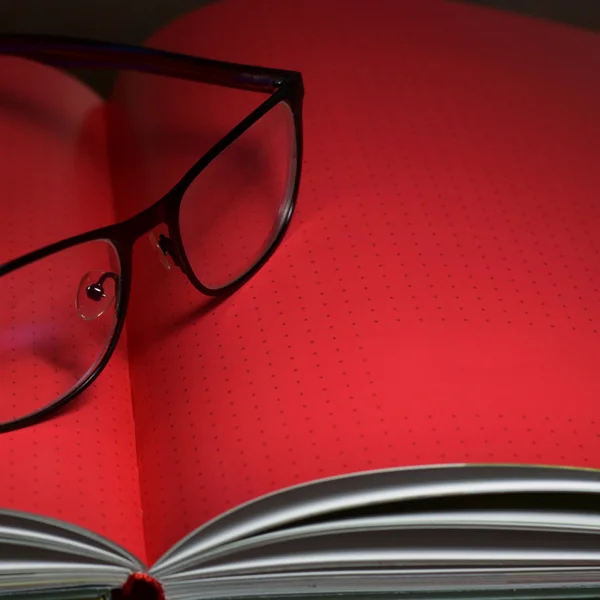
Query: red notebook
point(436, 299)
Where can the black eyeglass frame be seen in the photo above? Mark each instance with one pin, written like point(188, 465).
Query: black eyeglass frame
point(282, 85)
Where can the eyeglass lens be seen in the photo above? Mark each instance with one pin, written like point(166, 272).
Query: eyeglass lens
point(233, 211)
point(57, 316)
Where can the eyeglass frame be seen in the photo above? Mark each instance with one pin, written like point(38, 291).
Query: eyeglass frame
point(282, 85)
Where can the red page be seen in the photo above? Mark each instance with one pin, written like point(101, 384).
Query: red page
point(80, 466)
point(437, 297)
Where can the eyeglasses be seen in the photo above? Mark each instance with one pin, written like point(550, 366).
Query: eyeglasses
point(220, 229)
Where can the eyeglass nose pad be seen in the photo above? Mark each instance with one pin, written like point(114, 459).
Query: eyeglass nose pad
point(158, 244)
point(95, 294)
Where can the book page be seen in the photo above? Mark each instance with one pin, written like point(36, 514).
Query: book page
point(437, 296)
point(153, 143)
point(81, 465)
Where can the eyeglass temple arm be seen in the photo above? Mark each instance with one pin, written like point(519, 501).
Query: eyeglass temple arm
point(77, 53)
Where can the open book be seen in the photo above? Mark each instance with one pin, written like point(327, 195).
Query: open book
point(434, 529)
point(436, 299)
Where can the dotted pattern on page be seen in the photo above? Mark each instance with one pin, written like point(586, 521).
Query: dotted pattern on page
point(437, 297)
point(82, 465)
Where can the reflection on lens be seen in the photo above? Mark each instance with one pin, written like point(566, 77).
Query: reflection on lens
point(233, 211)
point(52, 334)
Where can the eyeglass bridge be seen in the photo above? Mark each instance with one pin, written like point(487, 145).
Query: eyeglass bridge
point(93, 298)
